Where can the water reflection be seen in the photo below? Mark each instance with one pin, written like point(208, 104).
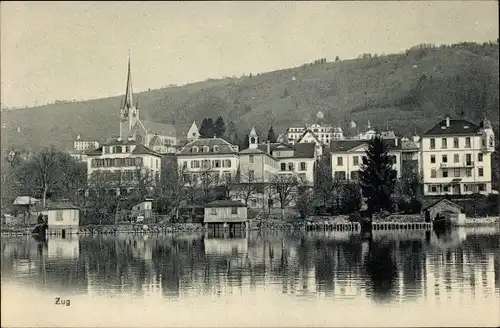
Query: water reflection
point(391, 267)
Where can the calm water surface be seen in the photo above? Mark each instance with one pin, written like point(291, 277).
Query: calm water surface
point(256, 279)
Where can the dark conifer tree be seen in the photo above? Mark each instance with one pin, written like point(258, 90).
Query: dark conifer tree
point(220, 127)
point(377, 178)
point(210, 128)
point(271, 136)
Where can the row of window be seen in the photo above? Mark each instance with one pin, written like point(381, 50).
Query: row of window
point(205, 149)
point(456, 158)
point(119, 162)
point(456, 142)
point(356, 160)
point(291, 166)
point(457, 173)
point(116, 149)
point(116, 176)
point(206, 164)
point(267, 160)
point(468, 187)
point(212, 178)
point(234, 211)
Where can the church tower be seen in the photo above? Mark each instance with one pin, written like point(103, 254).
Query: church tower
point(129, 114)
point(253, 139)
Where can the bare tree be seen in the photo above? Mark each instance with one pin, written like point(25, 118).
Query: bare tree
point(207, 183)
point(248, 186)
point(286, 187)
point(46, 173)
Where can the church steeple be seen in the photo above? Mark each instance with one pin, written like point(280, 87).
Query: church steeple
point(129, 103)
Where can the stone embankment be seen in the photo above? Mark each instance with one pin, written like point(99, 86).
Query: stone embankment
point(490, 220)
point(141, 228)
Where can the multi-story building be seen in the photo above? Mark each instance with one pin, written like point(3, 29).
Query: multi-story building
point(123, 164)
point(456, 157)
point(410, 157)
point(84, 144)
point(161, 137)
point(347, 157)
point(212, 158)
point(324, 133)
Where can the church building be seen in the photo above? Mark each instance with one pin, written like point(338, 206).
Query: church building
point(160, 137)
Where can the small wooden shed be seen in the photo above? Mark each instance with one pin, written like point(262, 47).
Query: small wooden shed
point(225, 214)
point(441, 206)
point(62, 219)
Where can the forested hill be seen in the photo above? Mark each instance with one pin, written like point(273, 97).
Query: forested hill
point(414, 88)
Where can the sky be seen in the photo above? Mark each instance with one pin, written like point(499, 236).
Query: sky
point(79, 50)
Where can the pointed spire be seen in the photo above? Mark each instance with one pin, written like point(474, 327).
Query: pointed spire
point(253, 133)
point(128, 92)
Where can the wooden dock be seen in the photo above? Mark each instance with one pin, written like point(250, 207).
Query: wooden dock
point(354, 226)
point(327, 226)
point(401, 225)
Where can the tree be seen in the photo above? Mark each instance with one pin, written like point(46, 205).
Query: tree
point(232, 133)
point(207, 128)
point(326, 188)
point(247, 186)
point(351, 197)
point(337, 58)
point(271, 137)
point(286, 94)
point(285, 186)
point(377, 178)
point(246, 141)
point(305, 203)
point(220, 127)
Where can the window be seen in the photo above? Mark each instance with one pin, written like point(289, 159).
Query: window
point(394, 159)
point(433, 143)
point(456, 173)
point(283, 167)
point(94, 163)
point(468, 159)
point(468, 172)
point(433, 159)
point(195, 164)
point(251, 159)
point(355, 160)
point(444, 143)
point(291, 167)
point(194, 149)
point(446, 188)
point(106, 150)
point(340, 175)
point(228, 162)
point(479, 157)
point(184, 164)
point(480, 171)
point(445, 173)
point(340, 161)
point(433, 188)
point(251, 175)
point(445, 158)
point(433, 173)
point(206, 149)
point(234, 210)
point(216, 149)
point(205, 164)
point(138, 161)
point(118, 149)
point(482, 187)
point(217, 163)
point(467, 142)
point(253, 202)
point(127, 149)
point(213, 211)
point(157, 163)
point(354, 175)
point(455, 142)
point(456, 158)
point(59, 215)
point(490, 141)
point(227, 176)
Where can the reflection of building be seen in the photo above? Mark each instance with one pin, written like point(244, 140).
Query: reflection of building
point(226, 246)
point(456, 157)
point(63, 248)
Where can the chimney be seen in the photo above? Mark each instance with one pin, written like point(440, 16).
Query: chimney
point(78, 137)
point(268, 147)
point(130, 138)
point(396, 142)
point(447, 121)
point(119, 139)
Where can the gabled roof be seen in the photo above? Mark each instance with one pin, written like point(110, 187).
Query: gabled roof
point(225, 203)
point(338, 146)
point(161, 129)
point(224, 147)
point(138, 150)
point(26, 200)
point(300, 150)
point(181, 130)
point(143, 150)
point(457, 127)
point(441, 201)
point(274, 146)
point(306, 132)
point(155, 141)
point(61, 206)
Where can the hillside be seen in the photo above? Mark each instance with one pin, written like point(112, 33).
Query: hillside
point(406, 91)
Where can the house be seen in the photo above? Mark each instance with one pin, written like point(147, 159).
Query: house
point(299, 159)
point(160, 137)
point(212, 161)
point(441, 207)
point(225, 213)
point(347, 157)
point(325, 133)
point(122, 165)
point(144, 208)
point(84, 144)
point(310, 137)
point(62, 219)
point(410, 157)
point(456, 157)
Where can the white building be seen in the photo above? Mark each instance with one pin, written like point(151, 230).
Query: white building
point(324, 133)
point(347, 157)
point(84, 144)
point(208, 158)
point(120, 163)
point(456, 157)
point(410, 157)
point(62, 219)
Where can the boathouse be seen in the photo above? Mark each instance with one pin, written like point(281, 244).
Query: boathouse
point(225, 214)
point(144, 208)
point(442, 207)
point(62, 219)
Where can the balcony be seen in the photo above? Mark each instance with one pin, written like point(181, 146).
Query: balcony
point(456, 165)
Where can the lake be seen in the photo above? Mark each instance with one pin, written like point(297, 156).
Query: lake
point(268, 278)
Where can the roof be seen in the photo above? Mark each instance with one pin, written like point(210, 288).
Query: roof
point(306, 132)
point(155, 141)
point(161, 129)
point(139, 148)
point(225, 203)
point(224, 147)
point(409, 145)
point(337, 146)
point(440, 201)
point(25, 200)
point(182, 130)
point(304, 150)
point(62, 206)
point(457, 127)
point(252, 151)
